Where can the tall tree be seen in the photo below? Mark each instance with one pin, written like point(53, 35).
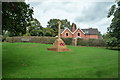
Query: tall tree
point(0, 18)
point(114, 29)
point(49, 32)
point(53, 23)
point(35, 28)
point(15, 17)
point(65, 23)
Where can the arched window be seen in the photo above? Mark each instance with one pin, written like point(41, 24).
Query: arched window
point(66, 34)
point(78, 34)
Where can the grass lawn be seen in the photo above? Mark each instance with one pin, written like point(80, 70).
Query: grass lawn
point(32, 60)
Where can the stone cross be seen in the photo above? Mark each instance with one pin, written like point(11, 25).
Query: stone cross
point(59, 24)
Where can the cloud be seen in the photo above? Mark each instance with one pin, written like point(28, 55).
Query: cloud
point(67, 0)
point(84, 14)
point(93, 13)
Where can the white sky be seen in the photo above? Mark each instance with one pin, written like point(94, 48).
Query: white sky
point(83, 14)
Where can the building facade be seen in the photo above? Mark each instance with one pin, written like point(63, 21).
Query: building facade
point(90, 33)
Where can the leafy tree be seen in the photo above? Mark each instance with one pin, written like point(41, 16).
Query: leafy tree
point(15, 17)
point(65, 23)
point(53, 23)
point(0, 18)
point(35, 28)
point(49, 32)
point(114, 29)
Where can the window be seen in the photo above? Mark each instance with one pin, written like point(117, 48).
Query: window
point(66, 34)
point(78, 34)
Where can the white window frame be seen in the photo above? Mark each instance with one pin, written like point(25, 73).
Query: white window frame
point(66, 33)
point(77, 34)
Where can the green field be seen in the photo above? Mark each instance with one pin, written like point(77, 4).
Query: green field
point(32, 60)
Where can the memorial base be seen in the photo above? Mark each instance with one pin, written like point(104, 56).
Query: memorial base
point(58, 50)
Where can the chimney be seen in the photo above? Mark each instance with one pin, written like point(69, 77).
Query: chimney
point(90, 28)
point(73, 27)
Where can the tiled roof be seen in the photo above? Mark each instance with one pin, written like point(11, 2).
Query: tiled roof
point(61, 30)
point(91, 31)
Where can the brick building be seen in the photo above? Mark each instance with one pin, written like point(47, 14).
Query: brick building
point(90, 33)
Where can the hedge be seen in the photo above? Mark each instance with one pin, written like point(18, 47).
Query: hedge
point(68, 41)
point(35, 39)
point(91, 42)
point(50, 40)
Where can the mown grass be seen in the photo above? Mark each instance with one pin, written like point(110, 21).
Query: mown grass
point(32, 60)
point(0, 60)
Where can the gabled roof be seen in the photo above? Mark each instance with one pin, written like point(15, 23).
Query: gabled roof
point(77, 29)
point(61, 31)
point(85, 31)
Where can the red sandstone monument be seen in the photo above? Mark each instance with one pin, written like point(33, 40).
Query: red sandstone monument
point(59, 44)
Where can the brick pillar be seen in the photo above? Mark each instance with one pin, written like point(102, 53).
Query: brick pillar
point(74, 42)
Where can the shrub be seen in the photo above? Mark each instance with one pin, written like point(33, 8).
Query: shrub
point(68, 41)
point(82, 42)
point(112, 42)
point(91, 42)
point(33, 39)
point(50, 40)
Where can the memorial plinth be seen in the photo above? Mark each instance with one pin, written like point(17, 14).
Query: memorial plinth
point(59, 44)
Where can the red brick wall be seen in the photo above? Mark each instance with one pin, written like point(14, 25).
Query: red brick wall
point(92, 36)
point(81, 34)
point(64, 34)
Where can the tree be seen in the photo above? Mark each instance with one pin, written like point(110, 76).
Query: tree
point(65, 23)
point(0, 18)
point(114, 29)
point(15, 17)
point(53, 23)
point(35, 28)
point(49, 32)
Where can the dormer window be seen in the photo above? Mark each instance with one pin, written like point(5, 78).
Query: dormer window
point(66, 34)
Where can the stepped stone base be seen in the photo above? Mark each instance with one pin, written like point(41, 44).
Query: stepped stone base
point(58, 50)
point(58, 46)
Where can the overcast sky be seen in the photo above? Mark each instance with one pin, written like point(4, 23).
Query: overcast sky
point(83, 14)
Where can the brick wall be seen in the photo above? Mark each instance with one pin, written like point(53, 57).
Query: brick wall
point(91, 36)
point(64, 34)
point(76, 34)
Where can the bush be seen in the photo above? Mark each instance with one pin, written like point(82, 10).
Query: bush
point(44, 40)
point(82, 42)
point(33, 39)
point(50, 40)
point(68, 41)
point(112, 42)
point(91, 42)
